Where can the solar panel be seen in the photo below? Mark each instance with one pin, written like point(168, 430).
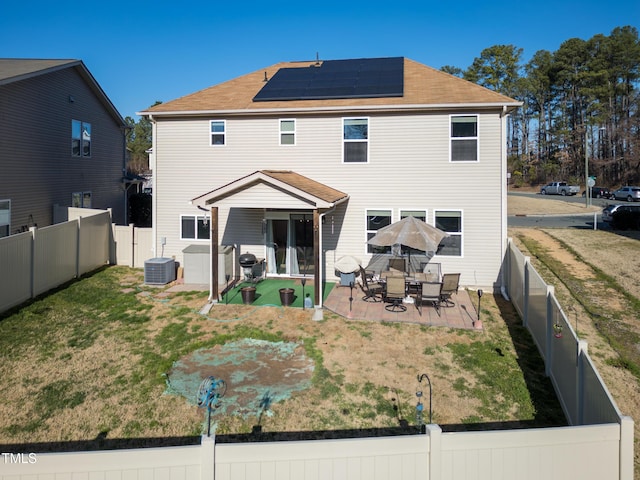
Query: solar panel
point(361, 78)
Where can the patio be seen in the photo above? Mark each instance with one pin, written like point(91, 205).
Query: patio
point(462, 315)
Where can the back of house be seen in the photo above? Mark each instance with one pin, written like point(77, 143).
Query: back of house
point(300, 163)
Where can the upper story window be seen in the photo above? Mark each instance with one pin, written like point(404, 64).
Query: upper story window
point(5, 218)
point(356, 140)
point(287, 132)
point(376, 219)
point(450, 221)
point(194, 227)
point(218, 131)
point(80, 139)
point(464, 138)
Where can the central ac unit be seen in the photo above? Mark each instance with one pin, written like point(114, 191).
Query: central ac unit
point(159, 271)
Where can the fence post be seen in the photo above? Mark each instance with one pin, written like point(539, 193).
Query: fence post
point(132, 233)
point(580, 395)
point(32, 286)
point(208, 457)
point(525, 291)
point(549, 331)
point(434, 457)
point(78, 245)
point(626, 448)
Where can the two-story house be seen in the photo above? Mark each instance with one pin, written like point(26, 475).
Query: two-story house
point(300, 163)
point(62, 142)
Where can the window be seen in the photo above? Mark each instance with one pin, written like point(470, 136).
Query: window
point(464, 138)
point(420, 215)
point(355, 139)
point(287, 132)
point(450, 221)
point(81, 199)
point(5, 218)
point(80, 139)
point(218, 128)
point(194, 227)
point(376, 219)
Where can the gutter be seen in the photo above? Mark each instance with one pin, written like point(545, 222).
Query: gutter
point(369, 108)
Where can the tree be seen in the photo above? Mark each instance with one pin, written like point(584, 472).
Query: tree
point(139, 138)
point(498, 69)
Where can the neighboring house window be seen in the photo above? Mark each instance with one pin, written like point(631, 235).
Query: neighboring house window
point(81, 199)
point(5, 218)
point(194, 227)
point(376, 219)
point(80, 139)
point(450, 221)
point(356, 140)
point(218, 130)
point(287, 132)
point(464, 138)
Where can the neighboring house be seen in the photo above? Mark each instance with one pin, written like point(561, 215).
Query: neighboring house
point(62, 142)
point(300, 163)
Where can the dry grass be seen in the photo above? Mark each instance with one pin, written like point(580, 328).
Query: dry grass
point(84, 369)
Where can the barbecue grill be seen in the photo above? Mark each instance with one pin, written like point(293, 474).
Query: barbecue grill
point(248, 262)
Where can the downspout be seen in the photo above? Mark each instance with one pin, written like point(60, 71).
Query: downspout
point(154, 177)
point(503, 201)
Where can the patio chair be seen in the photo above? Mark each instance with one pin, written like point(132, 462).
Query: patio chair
point(431, 293)
point(397, 265)
point(450, 284)
point(372, 290)
point(432, 268)
point(394, 295)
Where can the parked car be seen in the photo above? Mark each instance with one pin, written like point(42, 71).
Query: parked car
point(598, 192)
point(559, 188)
point(609, 211)
point(626, 218)
point(630, 194)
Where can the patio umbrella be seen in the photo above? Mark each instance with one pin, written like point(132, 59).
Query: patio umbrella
point(348, 264)
point(410, 232)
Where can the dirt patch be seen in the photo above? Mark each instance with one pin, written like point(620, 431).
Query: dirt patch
point(262, 373)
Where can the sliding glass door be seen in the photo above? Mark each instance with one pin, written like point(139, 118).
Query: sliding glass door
point(289, 239)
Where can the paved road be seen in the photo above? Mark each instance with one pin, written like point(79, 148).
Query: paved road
point(583, 220)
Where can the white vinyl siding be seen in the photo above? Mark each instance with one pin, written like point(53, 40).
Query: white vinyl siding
point(412, 171)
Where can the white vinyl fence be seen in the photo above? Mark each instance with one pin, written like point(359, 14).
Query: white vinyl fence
point(598, 444)
point(41, 259)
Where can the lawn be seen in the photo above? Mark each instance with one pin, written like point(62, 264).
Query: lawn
point(100, 359)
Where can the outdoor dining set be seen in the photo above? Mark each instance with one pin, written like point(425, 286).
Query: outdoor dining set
point(398, 288)
point(396, 284)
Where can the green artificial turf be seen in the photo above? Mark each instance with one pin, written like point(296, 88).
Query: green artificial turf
point(268, 292)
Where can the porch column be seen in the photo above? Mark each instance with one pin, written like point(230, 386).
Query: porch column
point(215, 289)
point(317, 280)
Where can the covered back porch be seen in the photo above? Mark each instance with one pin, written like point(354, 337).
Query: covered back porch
point(284, 230)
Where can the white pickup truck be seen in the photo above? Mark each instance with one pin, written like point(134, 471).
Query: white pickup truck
point(559, 188)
